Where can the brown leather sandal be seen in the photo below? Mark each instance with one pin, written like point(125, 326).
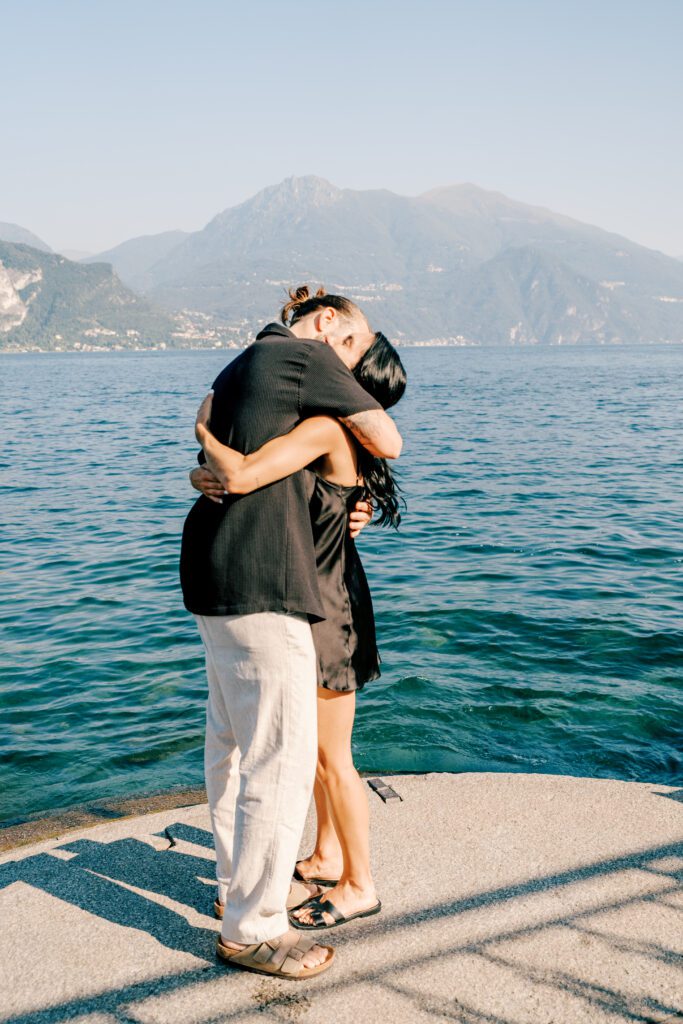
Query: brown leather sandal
point(282, 957)
point(298, 895)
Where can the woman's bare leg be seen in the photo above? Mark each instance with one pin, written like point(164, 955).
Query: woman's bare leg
point(327, 858)
point(348, 803)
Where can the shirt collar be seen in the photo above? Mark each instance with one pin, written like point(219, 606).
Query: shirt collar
point(275, 328)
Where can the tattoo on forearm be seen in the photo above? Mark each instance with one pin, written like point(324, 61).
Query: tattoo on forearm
point(366, 426)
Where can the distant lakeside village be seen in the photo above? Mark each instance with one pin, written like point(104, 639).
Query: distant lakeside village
point(103, 340)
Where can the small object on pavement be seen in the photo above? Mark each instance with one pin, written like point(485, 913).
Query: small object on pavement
point(384, 790)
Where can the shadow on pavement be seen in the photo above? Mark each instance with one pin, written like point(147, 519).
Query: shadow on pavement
point(178, 875)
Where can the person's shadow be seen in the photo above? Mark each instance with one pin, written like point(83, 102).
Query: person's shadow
point(79, 880)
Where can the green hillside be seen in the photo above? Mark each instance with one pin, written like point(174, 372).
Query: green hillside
point(49, 302)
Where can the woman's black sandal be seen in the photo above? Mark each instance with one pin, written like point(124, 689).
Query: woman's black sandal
point(319, 907)
point(318, 881)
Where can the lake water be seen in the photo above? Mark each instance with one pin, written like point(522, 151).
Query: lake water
point(529, 609)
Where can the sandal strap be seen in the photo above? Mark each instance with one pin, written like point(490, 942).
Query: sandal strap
point(289, 955)
point(262, 953)
point(319, 907)
point(285, 954)
point(300, 893)
point(317, 918)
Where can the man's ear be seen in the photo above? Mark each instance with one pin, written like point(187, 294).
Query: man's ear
point(327, 317)
point(318, 322)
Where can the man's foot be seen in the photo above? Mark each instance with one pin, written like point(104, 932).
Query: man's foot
point(313, 958)
point(316, 867)
point(347, 898)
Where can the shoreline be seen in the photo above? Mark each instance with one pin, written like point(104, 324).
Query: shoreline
point(40, 826)
point(399, 344)
point(235, 348)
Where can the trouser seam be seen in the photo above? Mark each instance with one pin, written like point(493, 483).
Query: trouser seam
point(215, 691)
point(285, 754)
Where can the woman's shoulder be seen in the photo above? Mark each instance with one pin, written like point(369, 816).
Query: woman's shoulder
point(324, 426)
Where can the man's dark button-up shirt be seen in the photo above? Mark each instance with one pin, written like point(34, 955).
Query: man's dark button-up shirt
point(255, 551)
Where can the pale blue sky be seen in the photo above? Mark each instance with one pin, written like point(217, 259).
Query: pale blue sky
point(125, 118)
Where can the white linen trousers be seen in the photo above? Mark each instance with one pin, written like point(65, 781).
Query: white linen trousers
point(260, 760)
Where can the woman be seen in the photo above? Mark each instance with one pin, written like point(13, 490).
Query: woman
point(339, 472)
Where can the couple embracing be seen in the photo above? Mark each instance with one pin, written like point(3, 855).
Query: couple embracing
point(294, 437)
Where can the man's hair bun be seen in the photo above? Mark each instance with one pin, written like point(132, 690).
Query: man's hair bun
point(298, 297)
point(303, 301)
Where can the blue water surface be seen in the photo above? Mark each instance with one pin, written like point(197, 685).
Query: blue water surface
point(529, 609)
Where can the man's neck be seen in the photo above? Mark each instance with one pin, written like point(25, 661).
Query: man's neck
point(303, 330)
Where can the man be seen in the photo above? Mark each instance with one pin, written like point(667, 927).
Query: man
point(248, 574)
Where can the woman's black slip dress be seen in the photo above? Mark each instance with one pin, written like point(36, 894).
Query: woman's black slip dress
point(345, 640)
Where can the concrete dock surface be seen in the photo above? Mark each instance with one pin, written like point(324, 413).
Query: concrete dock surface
point(508, 899)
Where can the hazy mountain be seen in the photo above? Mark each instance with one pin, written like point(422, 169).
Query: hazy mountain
point(458, 262)
point(524, 294)
point(48, 302)
point(303, 229)
point(15, 233)
point(133, 259)
point(76, 254)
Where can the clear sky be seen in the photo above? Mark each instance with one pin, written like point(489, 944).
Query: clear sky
point(135, 116)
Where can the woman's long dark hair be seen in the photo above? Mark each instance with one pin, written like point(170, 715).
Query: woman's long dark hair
point(383, 375)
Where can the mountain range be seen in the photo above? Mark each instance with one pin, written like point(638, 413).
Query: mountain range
point(458, 265)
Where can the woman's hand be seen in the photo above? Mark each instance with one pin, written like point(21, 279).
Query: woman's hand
point(360, 517)
point(202, 479)
point(203, 420)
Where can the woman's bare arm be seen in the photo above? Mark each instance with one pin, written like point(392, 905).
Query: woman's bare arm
point(376, 431)
point(241, 474)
